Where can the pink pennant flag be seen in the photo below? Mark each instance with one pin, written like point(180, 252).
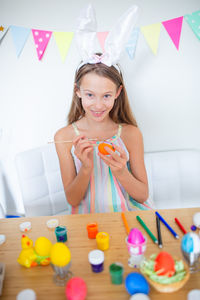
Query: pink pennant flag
point(41, 38)
point(102, 37)
point(173, 27)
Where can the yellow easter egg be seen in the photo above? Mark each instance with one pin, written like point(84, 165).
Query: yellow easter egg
point(43, 246)
point(60, 255)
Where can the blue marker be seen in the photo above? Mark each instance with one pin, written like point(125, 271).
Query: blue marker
point(167, 225)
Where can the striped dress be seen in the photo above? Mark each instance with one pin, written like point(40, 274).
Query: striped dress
point(105, 193)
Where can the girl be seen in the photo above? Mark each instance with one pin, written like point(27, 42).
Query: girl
point(100, 111)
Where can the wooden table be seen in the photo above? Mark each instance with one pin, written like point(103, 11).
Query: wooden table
point(40, 279)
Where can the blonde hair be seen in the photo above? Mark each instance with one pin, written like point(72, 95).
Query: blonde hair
point(121, 111)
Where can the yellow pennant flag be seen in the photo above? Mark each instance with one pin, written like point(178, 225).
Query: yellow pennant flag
point(63, 41)
point(151, 34)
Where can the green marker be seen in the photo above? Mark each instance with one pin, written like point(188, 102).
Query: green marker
point(147, 230)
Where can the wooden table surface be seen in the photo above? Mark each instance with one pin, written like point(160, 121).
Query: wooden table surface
point(40, 279)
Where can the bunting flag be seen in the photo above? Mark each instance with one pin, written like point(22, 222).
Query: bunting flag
point(101, 37)
point(194, 21)
point(3, 30)
point(63, 41)
point(173, 28)
point(41, 38)
point(132, 43)
point(19, 35)
point(152, 34)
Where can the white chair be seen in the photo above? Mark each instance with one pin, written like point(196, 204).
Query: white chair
point(174, 178)
point(40, 182)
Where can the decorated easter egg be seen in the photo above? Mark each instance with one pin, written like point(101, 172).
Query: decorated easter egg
point(43, 246)
point(136, 283)
point(102, 149)
point(135, 237)
point(76, 289)
point(190, 243)
point(60, 255)
point(190, 247)
point(196, 219)
point(164, 264)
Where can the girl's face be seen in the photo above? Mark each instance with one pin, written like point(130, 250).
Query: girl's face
point(98, 95)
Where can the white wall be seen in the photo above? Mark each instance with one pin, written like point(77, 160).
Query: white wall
point(35, 95)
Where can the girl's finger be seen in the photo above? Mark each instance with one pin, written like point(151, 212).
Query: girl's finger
point(115, 155)
point(121, 151)
point(108, 159)
point(78, 138)
point(111, 162)
point(80, 149)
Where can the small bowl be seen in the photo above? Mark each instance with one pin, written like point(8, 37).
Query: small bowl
point(172, 287)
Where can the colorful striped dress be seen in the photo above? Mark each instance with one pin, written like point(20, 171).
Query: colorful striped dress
point(105, 193)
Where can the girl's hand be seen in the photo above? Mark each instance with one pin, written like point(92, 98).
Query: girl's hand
point(116, 161)
point(84, 151)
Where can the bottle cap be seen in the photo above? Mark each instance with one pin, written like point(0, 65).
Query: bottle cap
point(26, 226)
point(26, 294)
point(96, 257)
point(2, 238)
point(52, 223)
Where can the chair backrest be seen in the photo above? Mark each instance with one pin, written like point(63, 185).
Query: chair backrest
point(174, 178)
point(40, 182)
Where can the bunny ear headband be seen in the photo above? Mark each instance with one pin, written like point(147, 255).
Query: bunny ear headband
point(86, 35)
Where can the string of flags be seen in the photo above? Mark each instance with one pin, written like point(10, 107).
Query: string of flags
point(63, 40)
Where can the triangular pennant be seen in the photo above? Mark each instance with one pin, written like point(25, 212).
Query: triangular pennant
point(194, 21)
point(132, 43)
point(152, 34)
point(20, 36)
point(63, 41)
point(41, 38)
point(173, 27)
point(102, 37)
point(3, 30)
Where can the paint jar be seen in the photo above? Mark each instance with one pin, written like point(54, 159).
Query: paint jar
point(96, 259)
point(116, 273)
point(61, 233)
point(102, 239)
point(92, 229)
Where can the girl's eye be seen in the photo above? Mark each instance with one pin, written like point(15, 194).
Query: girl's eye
point(107, 96)
point(89, 95)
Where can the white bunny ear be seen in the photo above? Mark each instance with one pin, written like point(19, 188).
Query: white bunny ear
point(85, 34)
point(118, 36)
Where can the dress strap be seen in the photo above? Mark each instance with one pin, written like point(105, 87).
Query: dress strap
point(119, 131)
point(76, 129)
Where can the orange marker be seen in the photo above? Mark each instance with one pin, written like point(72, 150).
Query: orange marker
point(125, 223)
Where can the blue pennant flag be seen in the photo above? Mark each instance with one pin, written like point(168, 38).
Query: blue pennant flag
point(132, 43)
point(20, 36)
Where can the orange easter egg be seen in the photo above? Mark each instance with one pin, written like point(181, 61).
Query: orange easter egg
point(102, 149)
point(164, 264)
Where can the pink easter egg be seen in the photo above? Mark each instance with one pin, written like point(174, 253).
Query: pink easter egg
point(76, 289)
point(135, 237)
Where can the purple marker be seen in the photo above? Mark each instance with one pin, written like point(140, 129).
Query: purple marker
point(96, 259)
